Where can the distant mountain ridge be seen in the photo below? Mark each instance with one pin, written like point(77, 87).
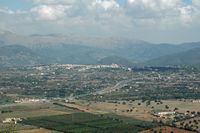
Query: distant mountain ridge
point(18, 50)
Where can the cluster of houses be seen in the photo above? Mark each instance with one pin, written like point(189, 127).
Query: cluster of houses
point(164, 114)
point(28, 100)
point(196, 101)
point(12, 120)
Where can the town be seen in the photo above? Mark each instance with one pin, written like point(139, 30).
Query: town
point(166, 97)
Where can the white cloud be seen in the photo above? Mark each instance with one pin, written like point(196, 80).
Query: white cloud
point(196, 3)
point(7, 11)
point(137, 18)
point(187, 14)
point(106, 4)
point(50, 12)
point(163, 13)
point(87, 9)
point(161, 4)
point(153, 8)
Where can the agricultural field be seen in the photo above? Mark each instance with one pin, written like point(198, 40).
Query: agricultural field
point(96, 116)
point(28, 110)
point(87, 122)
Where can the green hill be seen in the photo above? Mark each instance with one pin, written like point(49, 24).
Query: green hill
point(190, 57)
point(15, 55)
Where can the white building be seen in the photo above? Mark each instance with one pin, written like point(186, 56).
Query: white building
point(161, 114)
point(12, 120)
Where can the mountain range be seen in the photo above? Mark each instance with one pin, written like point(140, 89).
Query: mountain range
point(20, 50)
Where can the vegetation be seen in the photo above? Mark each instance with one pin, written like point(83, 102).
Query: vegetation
point(5, 99)
point(10, 128)
point(85, 122)
point(63, 89)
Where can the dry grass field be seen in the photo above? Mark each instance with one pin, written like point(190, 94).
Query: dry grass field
point(137, 109)
point(36, 131)
point(183, 106)
point(29, 110)
point(138, 112)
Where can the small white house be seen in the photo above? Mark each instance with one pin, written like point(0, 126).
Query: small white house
point(161, 114)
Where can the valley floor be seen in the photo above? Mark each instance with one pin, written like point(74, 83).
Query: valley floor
point(187, 110)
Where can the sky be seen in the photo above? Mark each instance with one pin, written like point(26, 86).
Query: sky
point(169, 21)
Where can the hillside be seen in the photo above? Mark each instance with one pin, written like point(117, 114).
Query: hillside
point(69, 54)
point(190, 57)
point(15, 55)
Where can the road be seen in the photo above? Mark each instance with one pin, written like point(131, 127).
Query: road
point(119, 85)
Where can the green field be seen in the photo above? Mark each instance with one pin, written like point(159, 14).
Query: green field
point(87, 123)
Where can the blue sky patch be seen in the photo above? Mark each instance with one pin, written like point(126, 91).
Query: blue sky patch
point(16, 4)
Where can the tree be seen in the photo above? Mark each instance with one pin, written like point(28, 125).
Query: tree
point(123, 103)
point(148, 103)
point(175, 109)
point(166, 106)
